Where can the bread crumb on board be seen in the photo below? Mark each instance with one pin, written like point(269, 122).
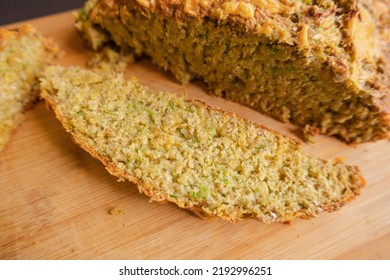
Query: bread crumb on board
point(117, 211)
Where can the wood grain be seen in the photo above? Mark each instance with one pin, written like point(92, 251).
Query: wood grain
point(55, 198)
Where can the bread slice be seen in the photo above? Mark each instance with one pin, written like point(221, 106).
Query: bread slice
point(203, 159)
point(319, 64)
point(23, 53)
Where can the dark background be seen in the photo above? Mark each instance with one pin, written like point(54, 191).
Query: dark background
point(18, 10)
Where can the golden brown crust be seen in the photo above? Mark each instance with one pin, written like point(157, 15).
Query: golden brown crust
point(268, 17)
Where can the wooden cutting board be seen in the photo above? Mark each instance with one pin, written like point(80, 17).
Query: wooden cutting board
point(56, 200)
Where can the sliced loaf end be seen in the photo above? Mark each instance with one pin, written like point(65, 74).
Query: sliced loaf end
point(318, 64)
point(23, 53)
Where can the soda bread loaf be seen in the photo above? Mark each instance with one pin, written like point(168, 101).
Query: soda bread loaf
point(319, 64)
point(203, 159)
point(23, 53)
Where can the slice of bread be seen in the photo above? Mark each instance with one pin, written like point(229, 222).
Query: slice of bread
point(23, 53)
point(320, 64)
point(203, 159)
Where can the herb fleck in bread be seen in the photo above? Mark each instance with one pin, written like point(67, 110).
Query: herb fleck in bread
point(23, 53)
point(203, 159)
point(320, 64)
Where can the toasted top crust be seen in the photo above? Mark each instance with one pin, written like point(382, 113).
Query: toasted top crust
point(281, 20)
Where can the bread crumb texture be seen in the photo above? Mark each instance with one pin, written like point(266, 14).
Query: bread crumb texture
point(206, 160)
point(110, 59)
point(23, 53)
point(323, 65)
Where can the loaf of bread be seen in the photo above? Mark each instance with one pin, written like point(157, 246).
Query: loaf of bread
point(203, 159)
point(319, 64)
point(23, 53)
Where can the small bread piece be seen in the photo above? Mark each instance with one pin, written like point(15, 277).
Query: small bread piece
point(203, 159)
point(321, 64)
point(23, 53)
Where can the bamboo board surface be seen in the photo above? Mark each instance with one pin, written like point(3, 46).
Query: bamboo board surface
point(56, 200)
